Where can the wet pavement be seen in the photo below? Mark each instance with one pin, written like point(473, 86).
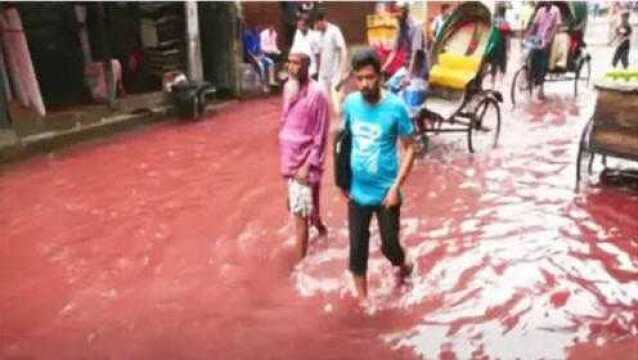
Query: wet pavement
point(174, 242)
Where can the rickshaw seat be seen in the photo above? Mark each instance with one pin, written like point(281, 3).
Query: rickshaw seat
point(559, 51)
point(454, 71)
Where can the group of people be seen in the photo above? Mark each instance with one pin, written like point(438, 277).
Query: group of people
point(321, 40)
point(377, 120)
point(261, 50)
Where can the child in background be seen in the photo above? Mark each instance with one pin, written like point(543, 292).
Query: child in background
point(622, 35)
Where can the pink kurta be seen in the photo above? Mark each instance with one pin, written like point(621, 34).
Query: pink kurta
point(304, 132)
point(546, 21)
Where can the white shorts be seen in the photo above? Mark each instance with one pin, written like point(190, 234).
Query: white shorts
point(300, 198)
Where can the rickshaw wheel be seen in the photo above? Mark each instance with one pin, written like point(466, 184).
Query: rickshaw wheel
point(520, 84)
point(485, 128)
point(585, 157)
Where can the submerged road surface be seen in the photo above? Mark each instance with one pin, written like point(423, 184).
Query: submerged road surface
point(174, 242)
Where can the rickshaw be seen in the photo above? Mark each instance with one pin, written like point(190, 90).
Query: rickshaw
point(613, 129)
point(576, 64)
point(456, 100)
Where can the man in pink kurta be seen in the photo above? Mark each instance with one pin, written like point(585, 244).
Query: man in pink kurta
point(546, 21)
point(303, 137)
point(544, 28)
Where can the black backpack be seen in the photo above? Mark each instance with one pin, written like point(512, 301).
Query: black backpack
point(342, 153)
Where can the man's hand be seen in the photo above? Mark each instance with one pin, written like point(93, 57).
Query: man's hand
point(302, 174)
point(392, 197)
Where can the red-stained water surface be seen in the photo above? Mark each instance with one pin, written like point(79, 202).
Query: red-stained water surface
point(174, 242)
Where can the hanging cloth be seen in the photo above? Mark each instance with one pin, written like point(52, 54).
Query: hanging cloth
point(5, 75)
point(80, 15)
point(19, 61)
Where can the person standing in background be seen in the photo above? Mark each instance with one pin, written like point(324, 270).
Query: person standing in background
point(333, 55)
point(290, 12)
point(623, 36)
point(408, 50)
point(542, 31)
point(268, 41)
point(613, 20)
point(305, 37)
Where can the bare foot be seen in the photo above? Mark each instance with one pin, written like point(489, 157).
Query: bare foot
point(361, 286)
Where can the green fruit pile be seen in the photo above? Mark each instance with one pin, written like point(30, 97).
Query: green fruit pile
point(627, 75)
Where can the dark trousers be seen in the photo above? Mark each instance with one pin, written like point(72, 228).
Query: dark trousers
point(539, 64)
point(622, 55)
point(359, 217)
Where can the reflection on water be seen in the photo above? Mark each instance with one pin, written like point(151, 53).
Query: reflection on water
point(520, 266)
point(183, 227)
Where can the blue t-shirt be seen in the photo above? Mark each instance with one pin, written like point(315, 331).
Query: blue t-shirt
point(375, 130)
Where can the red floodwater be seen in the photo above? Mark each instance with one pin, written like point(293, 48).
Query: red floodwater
point(174, 242)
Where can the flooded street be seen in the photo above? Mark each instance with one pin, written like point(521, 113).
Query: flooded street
point(174, 242)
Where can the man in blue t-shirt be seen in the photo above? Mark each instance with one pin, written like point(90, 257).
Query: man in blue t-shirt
point(377, 121)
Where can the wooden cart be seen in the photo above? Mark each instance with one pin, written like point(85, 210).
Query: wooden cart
point(613, 129)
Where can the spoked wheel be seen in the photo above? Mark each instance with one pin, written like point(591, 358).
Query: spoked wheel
point(585, 157)
point(521, 85)
point(485, 127)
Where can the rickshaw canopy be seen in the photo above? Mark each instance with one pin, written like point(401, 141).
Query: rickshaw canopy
point(460, 47)
point(470, 12)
